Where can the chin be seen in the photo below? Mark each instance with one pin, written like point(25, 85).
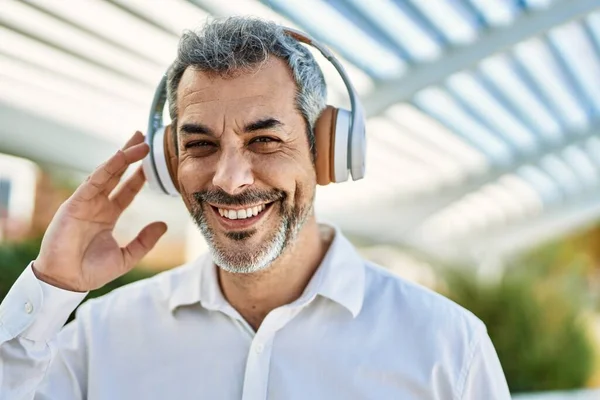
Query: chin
point(250, 254)
point(254, 247)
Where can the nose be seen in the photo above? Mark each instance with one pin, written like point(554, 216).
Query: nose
point(234, 171)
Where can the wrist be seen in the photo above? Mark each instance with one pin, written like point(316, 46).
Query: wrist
point(52, 281)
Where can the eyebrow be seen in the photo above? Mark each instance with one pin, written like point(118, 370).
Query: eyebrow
point(265, 123)
point(200, 129)
point(196, 129)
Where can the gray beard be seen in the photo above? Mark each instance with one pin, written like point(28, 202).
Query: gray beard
point(246, 261)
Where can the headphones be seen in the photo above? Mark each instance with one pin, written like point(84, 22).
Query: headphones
point(339, 136)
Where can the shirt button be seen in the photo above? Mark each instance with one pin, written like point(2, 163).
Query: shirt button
point(28, 308)
point(259, 348)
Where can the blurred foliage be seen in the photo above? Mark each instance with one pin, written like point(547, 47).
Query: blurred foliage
point(538, 317)
point(15, 257)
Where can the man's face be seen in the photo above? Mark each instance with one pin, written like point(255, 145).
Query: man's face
point(245, 168)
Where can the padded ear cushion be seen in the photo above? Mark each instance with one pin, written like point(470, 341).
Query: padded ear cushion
point(325, 145)
point(171, 156)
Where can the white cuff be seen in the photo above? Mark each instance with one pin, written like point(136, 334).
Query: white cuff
point(35, 310)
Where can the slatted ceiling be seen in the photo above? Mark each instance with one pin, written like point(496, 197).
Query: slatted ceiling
point(174, 16)
point(45, 28)
point(32, 52)
point(404, 170)
point(394, 138)
point(592, 26)
point(569, 41)
point(487, 107)
point(494, 205)
point(400, 28)
point(480, 211)
point(111, 24)
point(46, 80)
point(494, 215)
point(576, 45)
point(548, 189)
point(243, 7)
point(562, 174)
point(513, 208)
point(538, 3)
point(67, 109)
point(538, 60)
point(582, 165)
point(498, 69)
point(501, 204)
point(346, 198)
point(436, 136)
point(454, 22)
point(496, 12)
point(328, 25)
point(440, 105)
point(592, 150)
point(525, 192)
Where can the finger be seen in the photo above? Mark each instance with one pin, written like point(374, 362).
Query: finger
point(99, 179)
point(142, 244)
point(127, 192)
point(137, 138)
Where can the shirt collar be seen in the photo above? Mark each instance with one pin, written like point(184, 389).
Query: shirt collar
point(340, 278)
point(341, 275)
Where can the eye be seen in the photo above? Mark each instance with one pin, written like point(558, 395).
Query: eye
point(264, 144)
point(199, 143)
point(263, 139)
point(200, 148)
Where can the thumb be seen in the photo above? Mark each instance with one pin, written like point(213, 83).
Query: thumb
point(142, 244)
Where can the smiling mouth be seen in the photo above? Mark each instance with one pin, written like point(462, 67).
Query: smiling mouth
point(241, 218)
point(243, 213)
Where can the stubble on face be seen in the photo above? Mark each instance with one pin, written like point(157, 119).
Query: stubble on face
point(233, 253)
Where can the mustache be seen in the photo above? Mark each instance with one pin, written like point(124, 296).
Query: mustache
point(248, 197)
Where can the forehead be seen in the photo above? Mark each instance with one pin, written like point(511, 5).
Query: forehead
point(269, 88)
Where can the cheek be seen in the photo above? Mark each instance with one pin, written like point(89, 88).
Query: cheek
point(193, 175)
point(284, 172)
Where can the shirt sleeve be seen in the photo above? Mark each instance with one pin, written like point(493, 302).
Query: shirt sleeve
point(484, 376)
point(31, 315)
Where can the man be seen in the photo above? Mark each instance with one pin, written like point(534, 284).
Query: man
point(281, 308)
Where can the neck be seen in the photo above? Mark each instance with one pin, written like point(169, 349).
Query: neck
point(255, 295)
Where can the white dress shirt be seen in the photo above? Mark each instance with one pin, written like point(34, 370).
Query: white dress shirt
point(357, 332)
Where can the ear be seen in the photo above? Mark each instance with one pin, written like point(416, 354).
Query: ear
point(171, 154)
point(325, 145)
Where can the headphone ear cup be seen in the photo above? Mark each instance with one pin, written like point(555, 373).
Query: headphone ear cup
point(171, 155)
point(160, 166)
point(340, 160)
point(325, 145)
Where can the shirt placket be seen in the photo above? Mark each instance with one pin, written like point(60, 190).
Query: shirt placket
point(256, 377)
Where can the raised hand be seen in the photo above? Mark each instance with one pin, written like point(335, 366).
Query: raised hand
point(79, 251)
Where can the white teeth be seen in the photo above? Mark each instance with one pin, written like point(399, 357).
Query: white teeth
point(241, 214)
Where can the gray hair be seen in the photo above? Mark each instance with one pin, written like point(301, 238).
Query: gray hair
point(237, 44)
